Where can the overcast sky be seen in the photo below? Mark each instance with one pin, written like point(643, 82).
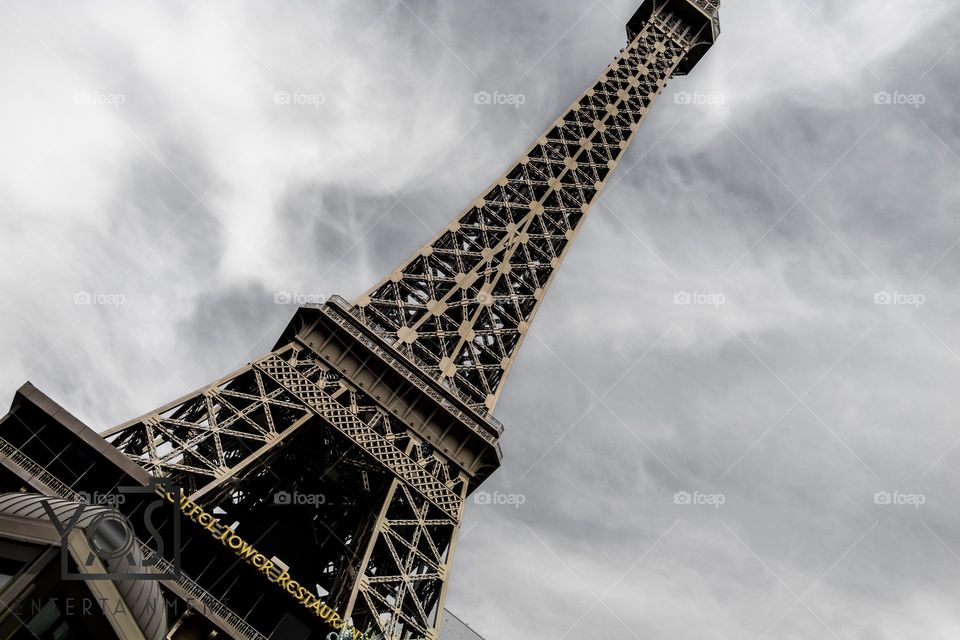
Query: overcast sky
point(179, 164)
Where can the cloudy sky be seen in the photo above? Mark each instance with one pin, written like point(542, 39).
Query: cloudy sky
point(168, 168)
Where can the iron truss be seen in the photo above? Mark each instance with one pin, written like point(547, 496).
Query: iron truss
point(464, 302)
point(458, 310)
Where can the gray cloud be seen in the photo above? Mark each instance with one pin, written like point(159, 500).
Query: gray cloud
point(149, 153)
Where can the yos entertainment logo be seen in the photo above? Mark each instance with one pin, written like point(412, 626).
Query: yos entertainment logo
point(110, 538)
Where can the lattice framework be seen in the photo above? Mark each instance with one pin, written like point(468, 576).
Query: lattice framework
point(463, 303)
point(460, 308)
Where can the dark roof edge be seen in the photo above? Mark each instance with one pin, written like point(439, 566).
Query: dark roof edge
point(33, 395)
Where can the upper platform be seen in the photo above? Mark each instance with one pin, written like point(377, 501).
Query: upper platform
point(701, 15)
point(405, 389)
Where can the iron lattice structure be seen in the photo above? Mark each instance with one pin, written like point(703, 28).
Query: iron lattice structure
point(384, 405)
point(463, 303)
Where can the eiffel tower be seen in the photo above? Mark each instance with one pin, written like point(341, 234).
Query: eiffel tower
point(346, 454)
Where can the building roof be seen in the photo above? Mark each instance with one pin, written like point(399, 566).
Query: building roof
point(454, 628)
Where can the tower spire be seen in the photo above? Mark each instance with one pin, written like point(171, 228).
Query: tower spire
point(463, 303)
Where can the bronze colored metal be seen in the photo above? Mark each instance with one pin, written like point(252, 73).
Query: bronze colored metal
point(400, 385)
point(463, 303)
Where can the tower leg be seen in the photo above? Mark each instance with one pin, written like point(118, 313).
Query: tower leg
point(291, 423)
point(404, 570)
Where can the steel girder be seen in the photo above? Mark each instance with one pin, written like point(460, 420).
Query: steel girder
point(464, 302)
